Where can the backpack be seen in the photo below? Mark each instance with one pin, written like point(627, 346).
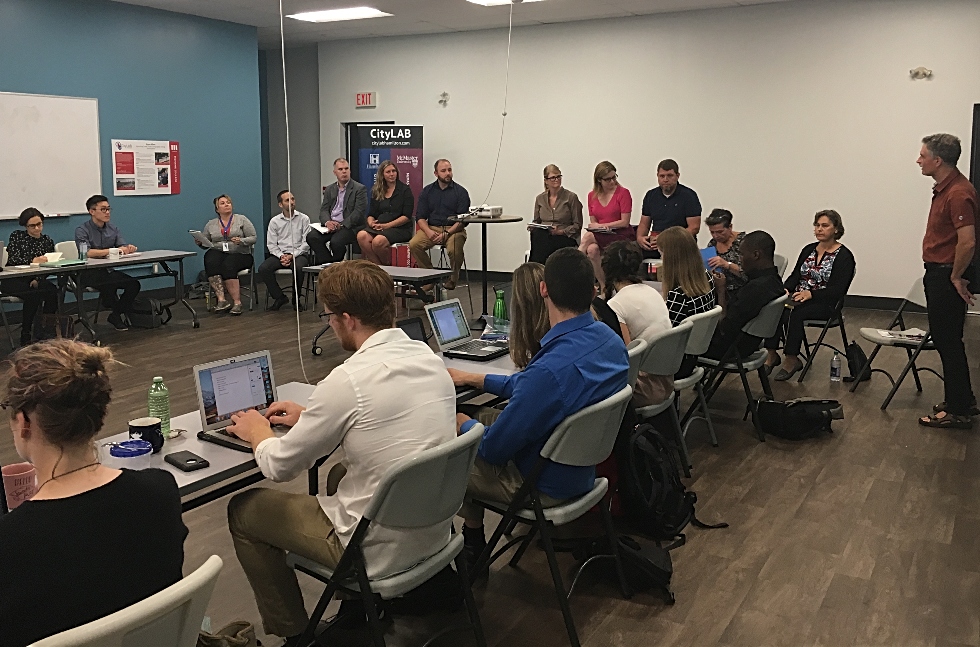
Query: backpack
point(856, 359)
point(650, 487)
point(646, 566)
point(51, 326)
point(798, 419)
point(148, 313)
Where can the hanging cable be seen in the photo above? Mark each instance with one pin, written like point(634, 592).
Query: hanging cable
point(503, 116)
point(289, 187)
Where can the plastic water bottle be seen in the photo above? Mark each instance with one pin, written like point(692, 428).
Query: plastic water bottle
point(83, 251)
point(499, 308)
point(158, 405)
point(835, 368)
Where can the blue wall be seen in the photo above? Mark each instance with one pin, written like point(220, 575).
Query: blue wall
point(157, 75)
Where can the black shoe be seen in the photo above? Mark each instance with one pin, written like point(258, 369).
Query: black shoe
point(117, 321)
point(297, 306)
point(279, 302)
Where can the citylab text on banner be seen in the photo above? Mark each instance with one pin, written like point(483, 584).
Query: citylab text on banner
point(401, 144)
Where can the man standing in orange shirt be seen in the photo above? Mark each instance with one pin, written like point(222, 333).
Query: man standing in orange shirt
point(948, 250)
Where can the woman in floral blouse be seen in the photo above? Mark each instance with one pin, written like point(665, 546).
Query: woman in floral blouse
point(28, 246)
point(819, 280)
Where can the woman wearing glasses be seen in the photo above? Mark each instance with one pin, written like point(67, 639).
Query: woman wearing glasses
point(28, 246)
point(610, 208)
point(561, 211)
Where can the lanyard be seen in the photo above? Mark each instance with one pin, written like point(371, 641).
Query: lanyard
point(225, 230)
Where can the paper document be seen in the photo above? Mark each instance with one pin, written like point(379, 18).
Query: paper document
point(599, 230)
point(320, 228)
point(911, 334)
point(200, 238)
point(538, 225)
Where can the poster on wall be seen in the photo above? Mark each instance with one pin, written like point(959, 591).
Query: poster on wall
point(145, 167)
point(401, 144)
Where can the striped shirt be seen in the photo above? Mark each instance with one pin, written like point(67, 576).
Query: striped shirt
point(680, 306)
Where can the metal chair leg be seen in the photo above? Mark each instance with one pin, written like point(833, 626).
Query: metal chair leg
point(6, 326)
point(549, 551)
point(751, 403)
point(707, 415)
point(905, 371)
point(614, 543)
point(812, 354)
point(471, 609)
point(515, 560)
point(370, 605)
point(681, 443)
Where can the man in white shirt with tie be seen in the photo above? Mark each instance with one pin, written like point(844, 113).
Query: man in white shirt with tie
point(392, 398)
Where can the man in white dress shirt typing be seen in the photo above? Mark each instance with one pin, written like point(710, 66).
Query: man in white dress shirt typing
point(392, 398)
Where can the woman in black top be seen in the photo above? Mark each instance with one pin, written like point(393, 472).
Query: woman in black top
point(92, 540)
point(28, 246)
point(389, 215)
point(819, 280)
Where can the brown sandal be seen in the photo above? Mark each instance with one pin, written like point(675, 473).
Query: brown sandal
point(944, 420)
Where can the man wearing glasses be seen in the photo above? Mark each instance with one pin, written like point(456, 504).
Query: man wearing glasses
point(97, 236)
point(671, 204)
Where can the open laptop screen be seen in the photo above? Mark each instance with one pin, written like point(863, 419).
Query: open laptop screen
point(448, 322)
point(233, 385)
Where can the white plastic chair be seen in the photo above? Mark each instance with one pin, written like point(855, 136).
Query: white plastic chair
point(417, 491)
point(444, 263)
point(763, 326)
point(913, 347)
point(664, 356)
point(780, 262)
point(704, 324)
point(585, 438)
point(636, 349)
point(170, 618)
point(7, 298)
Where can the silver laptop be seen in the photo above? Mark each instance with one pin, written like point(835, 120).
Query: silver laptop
point(452, 333)
point(231, 385)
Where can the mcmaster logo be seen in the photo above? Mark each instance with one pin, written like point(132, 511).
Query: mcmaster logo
point(407, 159)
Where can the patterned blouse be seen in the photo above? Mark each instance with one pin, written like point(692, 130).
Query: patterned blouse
point(734, 255)
point(24, 248)
point(815, 276)
point(680, 306)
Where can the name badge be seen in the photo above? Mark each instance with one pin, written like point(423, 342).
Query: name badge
point(224, 246)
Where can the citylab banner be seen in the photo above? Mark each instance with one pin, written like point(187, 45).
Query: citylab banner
point(401, 144)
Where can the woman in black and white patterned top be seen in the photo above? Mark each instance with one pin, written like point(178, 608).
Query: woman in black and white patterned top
point(687, 287)
point(28, 246)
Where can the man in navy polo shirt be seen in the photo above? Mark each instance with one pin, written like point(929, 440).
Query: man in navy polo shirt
point(671, 204)
point(438, 202)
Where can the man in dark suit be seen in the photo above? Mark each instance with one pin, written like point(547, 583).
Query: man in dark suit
point(342, 214)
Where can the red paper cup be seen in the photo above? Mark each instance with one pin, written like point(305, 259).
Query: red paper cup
point(19, 483)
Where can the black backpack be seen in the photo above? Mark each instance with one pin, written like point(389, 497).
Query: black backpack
point(651, 490)
point(856, 359)
point(148, 313)
point(645, 565)
point(798, 419)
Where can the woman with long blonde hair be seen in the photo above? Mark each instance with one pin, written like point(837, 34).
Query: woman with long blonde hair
point(610, 208)
point(528, 314)
point(687, 286)
point(389, 215)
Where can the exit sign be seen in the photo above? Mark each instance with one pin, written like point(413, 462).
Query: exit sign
point(366, 100)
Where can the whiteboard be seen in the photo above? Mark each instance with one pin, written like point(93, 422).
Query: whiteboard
point(49, 153)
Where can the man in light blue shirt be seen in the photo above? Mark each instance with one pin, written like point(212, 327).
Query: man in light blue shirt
point(286, 240)
point(581, 362)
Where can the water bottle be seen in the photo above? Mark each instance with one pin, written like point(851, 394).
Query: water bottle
point(83, 251)
point(499, 307)
point(835, 368)
point(159, 405)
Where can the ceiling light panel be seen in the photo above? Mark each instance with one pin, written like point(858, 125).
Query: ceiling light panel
point(495, 3)
point(334, 15)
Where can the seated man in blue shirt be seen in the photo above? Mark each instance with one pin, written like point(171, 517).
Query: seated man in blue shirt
point(99, 236)
point(581, 362)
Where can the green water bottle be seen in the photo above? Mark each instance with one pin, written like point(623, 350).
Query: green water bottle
point(158, 405)
point(499, 307)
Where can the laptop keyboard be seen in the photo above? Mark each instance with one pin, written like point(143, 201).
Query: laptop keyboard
point(472, 346)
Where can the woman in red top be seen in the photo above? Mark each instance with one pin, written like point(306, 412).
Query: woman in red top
point(610, 208)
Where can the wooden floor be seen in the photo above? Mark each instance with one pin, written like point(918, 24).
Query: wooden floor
point(870, 536)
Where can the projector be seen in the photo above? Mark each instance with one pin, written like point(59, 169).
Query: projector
point(488, 212)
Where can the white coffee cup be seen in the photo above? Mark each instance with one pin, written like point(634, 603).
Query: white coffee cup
point(113, 253)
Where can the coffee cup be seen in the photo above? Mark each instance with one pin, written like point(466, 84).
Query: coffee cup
point(148, 429)
point(113, 253)
point(19, 483)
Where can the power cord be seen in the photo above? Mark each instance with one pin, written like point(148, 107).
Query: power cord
point(503, 116)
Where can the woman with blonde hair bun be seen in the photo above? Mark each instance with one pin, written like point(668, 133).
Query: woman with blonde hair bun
point(561, 211)
point(528, 314)
point(92, 540)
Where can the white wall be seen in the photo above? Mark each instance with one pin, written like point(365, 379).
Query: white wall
point(772, 111)
point(304, 127)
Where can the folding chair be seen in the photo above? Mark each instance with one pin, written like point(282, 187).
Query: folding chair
point(912, 346)
point(171, 617)
point(7, 298)
point(246, 285)
point(780, 262)
point(585, 438)
point(837, 320)
point(444, 263)
point(636, 349)
point(763, 326)
point(664, 356)
point(415, 492)
point(704, 324)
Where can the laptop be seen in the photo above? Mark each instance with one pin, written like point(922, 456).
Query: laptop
point(231, 385)
point(452, 333)
point(413, 328)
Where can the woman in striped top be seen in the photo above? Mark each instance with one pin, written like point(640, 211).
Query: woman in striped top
point(687, 286)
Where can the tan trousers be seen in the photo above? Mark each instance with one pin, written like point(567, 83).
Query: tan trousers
point(266, 523)
point(420, 246)
point(493, 482)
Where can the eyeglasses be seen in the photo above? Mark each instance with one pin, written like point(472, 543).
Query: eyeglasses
point(611, 178)
point(324, 315)
point(552, 178)
point(37, 226)
point(5, 405)
point(104, 209)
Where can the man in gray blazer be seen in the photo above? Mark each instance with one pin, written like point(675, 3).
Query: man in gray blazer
point(343, 214)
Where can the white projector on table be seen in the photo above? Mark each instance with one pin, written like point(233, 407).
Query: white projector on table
point(486, 211)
